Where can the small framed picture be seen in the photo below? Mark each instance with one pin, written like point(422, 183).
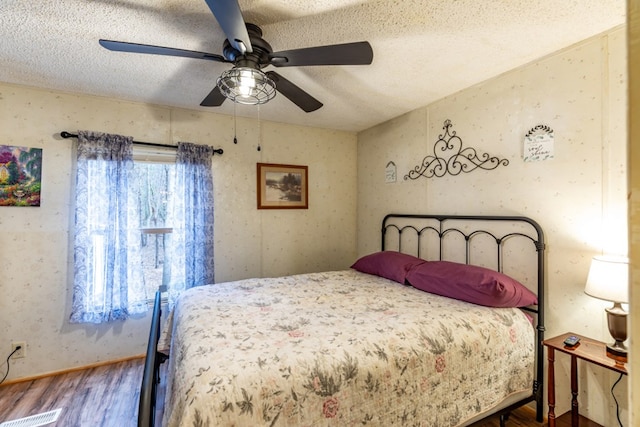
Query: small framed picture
point(20, 176)
point(282, 186)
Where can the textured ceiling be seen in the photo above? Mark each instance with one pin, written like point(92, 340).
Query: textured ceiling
point(423, 49)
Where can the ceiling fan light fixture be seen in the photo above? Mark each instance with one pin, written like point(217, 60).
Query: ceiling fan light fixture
point(246, 85)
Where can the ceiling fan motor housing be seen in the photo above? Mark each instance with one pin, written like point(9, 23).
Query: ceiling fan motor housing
point(261, 49)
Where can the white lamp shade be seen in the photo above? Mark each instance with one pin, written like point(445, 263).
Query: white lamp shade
point(609, 279)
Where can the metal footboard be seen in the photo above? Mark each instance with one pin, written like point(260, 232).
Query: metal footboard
point(151, 374)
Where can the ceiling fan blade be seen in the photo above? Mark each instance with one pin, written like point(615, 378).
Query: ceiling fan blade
point(158, 50)
point(214, 99)
point(229, 16)
point(358, 53)
point(292, 92)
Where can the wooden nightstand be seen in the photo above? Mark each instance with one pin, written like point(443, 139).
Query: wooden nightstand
point(589, 350)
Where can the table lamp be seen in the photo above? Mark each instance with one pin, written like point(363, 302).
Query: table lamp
point(609, 280)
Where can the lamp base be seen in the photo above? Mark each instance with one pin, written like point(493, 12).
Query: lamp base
point(617, 351)
point(618, 348)
point(617, 322)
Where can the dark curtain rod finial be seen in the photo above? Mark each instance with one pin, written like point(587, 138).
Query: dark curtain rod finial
point(66, 135)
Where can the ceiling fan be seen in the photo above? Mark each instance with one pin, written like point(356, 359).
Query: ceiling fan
point(245, 48)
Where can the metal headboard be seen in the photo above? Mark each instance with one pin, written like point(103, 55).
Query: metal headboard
point(437, 237)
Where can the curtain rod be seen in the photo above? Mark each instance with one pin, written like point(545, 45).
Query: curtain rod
point(66, 134)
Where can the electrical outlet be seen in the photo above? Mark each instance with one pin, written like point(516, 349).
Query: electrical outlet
point(20, 353)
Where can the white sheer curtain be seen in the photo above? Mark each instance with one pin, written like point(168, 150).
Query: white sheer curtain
point(190, 248)
point(108, 283)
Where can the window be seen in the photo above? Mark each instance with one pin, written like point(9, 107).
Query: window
point(144, 218)
point(153, 169)
point(151, 193)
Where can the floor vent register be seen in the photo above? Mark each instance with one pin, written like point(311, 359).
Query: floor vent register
point(34, 420)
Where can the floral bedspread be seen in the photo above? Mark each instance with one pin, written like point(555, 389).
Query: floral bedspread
point(340, 348)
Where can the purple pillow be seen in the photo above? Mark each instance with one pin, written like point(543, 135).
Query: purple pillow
point(470, 283)
point(388, 264)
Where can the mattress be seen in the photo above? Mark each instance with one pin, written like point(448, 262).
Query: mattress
point(339, 349)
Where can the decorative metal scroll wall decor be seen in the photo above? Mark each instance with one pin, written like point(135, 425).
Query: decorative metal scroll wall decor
point(450, 158)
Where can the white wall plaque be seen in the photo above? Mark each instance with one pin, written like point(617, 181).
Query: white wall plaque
point(538, 144)
point(390, 172)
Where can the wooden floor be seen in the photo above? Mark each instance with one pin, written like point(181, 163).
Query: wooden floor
point(107, 396)
point(102, 396)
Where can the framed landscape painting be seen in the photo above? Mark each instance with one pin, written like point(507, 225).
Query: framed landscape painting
point(282, 186)
point(20, 175)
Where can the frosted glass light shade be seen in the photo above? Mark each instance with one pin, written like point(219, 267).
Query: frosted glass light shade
point(609, 279)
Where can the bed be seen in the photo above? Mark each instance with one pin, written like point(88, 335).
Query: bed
point(376, 344)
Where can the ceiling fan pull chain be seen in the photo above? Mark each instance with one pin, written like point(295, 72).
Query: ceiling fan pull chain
point(259, 130)
point(235, 126)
